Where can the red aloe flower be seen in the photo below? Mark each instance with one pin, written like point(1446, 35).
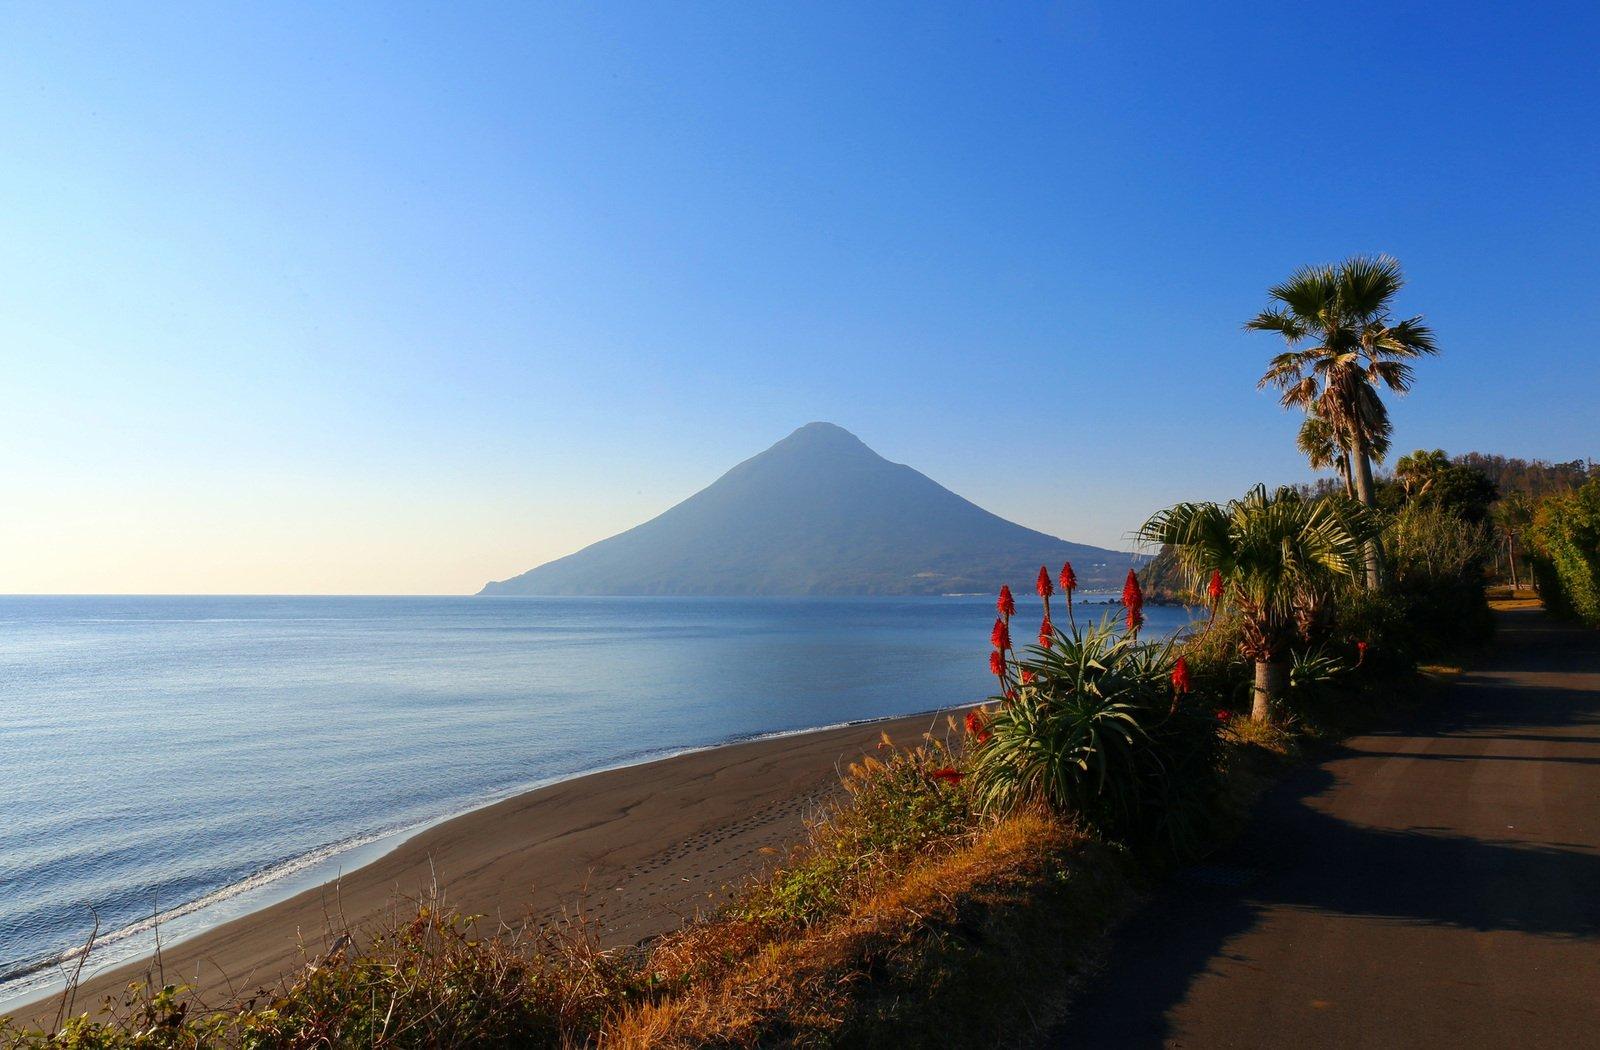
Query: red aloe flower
point(1028, 677)
point(997, 665)
point(1180, 676)
point(1047, 632)
point(1214, 588)
point(1069, 583)
point(977, 726)
point(1361, 653)
point(1223, 716)
point(1005, 603)
point(1011, 694)
point(1000, 635)
point(947, 774)
point(1133, 599)
point(1042, 584)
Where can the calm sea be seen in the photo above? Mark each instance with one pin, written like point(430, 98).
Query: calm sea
point(199, 757)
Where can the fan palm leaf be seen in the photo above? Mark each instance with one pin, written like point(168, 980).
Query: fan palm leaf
point(1280, 557)
point(1356, 348)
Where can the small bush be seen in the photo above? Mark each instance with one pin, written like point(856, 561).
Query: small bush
point(1220, 672)
point(1376, 626)
point(1096, 728)
point(1439, 560)
point(907, 802)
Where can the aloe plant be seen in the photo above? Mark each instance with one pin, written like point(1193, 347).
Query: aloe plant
point(1094, 726)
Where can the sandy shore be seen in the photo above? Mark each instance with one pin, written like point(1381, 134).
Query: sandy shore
point(639, 849)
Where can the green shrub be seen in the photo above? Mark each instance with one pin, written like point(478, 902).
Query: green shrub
point(1096, 728)
point(1213, 652)
point(907, 802)
point(1566, 545)
point(1376, 626)
point(1439, 559)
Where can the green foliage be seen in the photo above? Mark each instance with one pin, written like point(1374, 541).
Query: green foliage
point(1430, 479)
point(1323, 446)
point(1566, 542)
point(1379, 621)
point(1439, 557)
point(1096, 729)
point(897, 807)
point(1312, 672)
point(1429, 542)
point(1213, 653)
point(1281, 556)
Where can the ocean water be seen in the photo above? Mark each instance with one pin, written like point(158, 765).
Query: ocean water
point(196, 757)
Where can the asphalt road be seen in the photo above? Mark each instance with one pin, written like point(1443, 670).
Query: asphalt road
point(1432, 885)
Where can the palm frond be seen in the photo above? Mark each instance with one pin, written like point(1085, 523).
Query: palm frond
point(1411, 338)
point(1278, 320)
point(1278, 553)
point(1286, 368)
point(1367, 283)
point(1396, 375)
point(1317, 441)
point(1311, 293)
point(1303, 393)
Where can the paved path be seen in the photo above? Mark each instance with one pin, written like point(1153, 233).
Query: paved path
point(1436, 885)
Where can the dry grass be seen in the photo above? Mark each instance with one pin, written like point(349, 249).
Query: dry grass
point(1271, 737)
point(962, 949)
point(903, 918)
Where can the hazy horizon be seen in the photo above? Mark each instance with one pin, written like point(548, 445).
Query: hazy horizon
point(400, 300)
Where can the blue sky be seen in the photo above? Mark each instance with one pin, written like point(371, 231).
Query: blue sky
point(401, 298)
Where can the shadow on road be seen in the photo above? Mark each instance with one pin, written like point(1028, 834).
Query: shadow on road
point(1297, 856)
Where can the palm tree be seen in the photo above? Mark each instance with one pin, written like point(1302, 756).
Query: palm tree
point(1319, 442)
point(1343, 346)
point(1417, 471)
point(1512, 516)
point(1280, 557)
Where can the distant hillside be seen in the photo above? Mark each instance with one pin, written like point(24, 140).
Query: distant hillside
point(819, 513)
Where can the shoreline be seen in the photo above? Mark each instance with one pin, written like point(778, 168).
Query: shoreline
point(562, 833)
point(319, 867)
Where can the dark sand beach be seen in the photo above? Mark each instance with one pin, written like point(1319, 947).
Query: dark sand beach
point(639, 849)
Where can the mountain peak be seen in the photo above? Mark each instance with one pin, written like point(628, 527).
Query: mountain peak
point(822, 428)
point(817, 513)
point(822, 433)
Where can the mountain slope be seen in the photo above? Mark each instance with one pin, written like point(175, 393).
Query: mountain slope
point(818, 513)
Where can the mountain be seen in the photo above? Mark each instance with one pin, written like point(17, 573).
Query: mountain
point(819, 513)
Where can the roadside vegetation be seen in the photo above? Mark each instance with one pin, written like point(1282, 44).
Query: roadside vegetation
point(956, 887)
point(1563, 533)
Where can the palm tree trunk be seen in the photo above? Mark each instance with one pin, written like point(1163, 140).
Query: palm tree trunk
point(1363, 473)
point(1271, 677)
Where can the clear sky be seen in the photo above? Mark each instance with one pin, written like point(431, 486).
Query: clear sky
point(402, 297)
